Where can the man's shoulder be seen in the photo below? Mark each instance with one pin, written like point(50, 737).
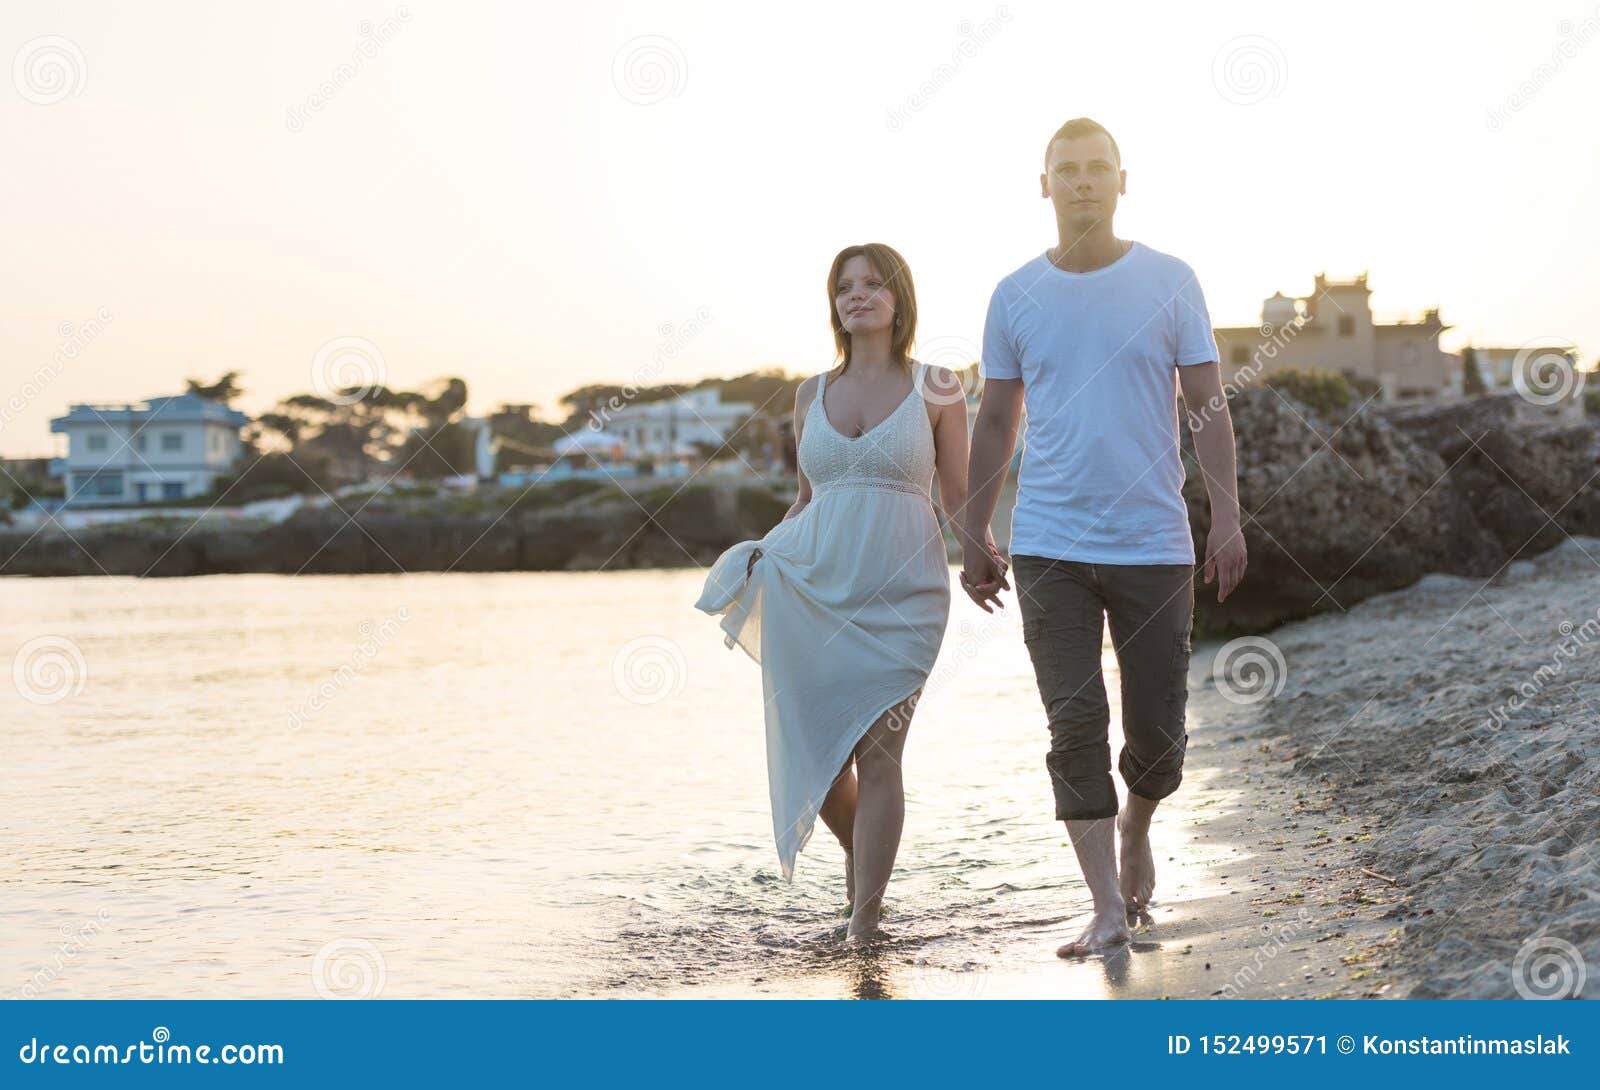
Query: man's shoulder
point(1022, 277)
point(1168, 266)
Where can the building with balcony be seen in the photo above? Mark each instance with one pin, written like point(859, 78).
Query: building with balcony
point(166, 448)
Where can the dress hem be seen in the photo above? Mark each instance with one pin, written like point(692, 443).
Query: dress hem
point(855, 740)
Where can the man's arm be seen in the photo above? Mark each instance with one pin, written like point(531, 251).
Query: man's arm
point(994, 437)
point(1212, 428)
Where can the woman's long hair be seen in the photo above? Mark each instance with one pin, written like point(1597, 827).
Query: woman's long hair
point(896, 276)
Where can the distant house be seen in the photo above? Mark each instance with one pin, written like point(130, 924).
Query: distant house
point(1332, 329)
point(667, 429)
point(167, 448)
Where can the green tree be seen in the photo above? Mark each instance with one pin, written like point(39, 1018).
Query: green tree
point(224, 390)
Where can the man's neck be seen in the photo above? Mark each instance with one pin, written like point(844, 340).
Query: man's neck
point(1088, 251)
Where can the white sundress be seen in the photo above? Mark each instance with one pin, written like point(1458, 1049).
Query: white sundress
point(846, 607)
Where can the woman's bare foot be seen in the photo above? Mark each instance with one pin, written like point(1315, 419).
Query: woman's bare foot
point(1105, 930)
point(862, 935)
point(1137, 872)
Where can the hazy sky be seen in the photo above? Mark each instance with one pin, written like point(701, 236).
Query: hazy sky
point(538, 196)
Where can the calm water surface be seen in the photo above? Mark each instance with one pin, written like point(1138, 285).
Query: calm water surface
point(483, 785)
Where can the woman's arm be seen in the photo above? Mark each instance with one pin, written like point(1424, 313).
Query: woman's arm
point(951, 450)
point(802, 402)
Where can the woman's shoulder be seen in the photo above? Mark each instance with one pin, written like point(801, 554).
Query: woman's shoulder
point(807, 390)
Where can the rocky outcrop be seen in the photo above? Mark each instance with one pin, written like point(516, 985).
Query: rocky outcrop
point(1339, 510)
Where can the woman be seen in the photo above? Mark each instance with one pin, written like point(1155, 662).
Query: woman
point(844, 602)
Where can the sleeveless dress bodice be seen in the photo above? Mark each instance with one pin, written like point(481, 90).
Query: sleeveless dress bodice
point(896, 454)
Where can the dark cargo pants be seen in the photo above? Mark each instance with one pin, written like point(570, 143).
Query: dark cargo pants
point(1150, 606)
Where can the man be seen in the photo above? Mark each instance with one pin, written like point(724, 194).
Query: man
point(1097, 335)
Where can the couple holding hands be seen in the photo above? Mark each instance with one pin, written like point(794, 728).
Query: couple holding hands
point(844, 603)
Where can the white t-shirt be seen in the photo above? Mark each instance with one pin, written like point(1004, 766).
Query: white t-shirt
point(1101, 479)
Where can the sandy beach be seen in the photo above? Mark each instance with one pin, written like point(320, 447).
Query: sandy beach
point(1441, 741)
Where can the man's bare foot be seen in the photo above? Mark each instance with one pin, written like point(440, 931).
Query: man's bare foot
point(1137, 873)
point(1106, 930)
point(850, 878)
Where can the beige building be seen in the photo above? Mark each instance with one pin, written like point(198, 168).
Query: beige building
point(1332, 329)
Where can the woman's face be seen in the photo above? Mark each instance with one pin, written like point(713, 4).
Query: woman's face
point(864, 302)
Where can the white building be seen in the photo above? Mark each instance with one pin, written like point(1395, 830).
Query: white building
point(1548, 379)
point(667, 429)
point(167, 448)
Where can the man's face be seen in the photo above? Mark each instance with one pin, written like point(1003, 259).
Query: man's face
point(1083, 180)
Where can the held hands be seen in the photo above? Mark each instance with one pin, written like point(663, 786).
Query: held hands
point(1225, 556)
point(983, 573)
